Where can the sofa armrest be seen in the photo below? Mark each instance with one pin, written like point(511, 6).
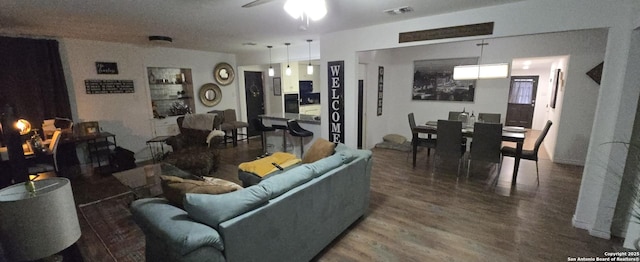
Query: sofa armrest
point(171, 224)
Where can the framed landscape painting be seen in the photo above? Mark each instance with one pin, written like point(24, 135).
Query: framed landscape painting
point(433, 80)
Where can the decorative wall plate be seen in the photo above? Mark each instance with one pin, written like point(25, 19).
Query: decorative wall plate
point(210, 94)
point(223, 73)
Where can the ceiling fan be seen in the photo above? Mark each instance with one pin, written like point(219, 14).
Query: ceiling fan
point(256, 2)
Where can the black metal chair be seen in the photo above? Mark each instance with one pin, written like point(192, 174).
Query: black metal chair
point(417, 141)
point(529, 154)
point(449, 136)
point(489, 117)
point(296, 130)
point(487, 139)
point(259, 126)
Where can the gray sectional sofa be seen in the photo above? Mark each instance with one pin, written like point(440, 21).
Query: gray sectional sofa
point(291, 216)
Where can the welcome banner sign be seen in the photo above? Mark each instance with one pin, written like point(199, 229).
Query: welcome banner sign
point(336, 101)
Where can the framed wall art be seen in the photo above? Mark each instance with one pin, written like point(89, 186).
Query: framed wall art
point(277, 86)
point(557, 75)
point(433, 80)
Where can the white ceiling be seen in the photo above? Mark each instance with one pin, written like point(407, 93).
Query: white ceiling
point(209, 25)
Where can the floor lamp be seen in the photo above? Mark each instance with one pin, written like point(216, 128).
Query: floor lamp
point(37, 219)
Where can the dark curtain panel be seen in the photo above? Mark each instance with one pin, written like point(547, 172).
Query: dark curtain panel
point(32, 82)
point(32, 79)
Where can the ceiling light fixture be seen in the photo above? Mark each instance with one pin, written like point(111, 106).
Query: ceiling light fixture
point(309, 67)
point(160, 39)
point(271, 71)
point(306, 9)
point(288, 71)
point(481, 71)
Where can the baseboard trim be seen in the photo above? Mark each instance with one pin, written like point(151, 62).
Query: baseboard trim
point(589, 227)
point(600, 234)
point(580, 224)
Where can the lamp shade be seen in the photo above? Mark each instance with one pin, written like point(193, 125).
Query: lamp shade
point(34, 226)
point(24, 126)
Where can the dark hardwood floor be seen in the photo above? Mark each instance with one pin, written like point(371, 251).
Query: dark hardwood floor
point(420, 215)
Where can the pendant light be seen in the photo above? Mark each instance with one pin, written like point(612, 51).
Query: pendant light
point(288, 71)
point(481, 71)
point(309, 67)
point(271, 71)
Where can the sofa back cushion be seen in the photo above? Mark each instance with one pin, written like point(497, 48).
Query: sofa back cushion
point(277, 185)
point(324, 165)
point(214, 209)
point(349, 154)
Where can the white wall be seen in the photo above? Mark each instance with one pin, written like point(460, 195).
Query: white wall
point(491, 95)
point(376, 126)
point(598, 192)
point(128, 116)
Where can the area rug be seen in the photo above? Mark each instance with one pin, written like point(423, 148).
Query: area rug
point(111, 221)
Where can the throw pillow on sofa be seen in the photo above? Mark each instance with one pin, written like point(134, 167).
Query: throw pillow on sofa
point(320, 149)
point(215, 209)
point(175, 188)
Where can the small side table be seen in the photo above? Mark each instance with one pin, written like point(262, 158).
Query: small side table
point(155, 153)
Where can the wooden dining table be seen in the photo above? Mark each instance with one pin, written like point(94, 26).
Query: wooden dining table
point(509, 134)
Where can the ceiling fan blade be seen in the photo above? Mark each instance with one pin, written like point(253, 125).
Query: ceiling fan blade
point(256, 2)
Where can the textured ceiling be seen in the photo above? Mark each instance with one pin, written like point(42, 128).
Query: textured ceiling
point(209, 25)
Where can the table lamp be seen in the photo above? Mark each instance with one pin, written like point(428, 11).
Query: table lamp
point(24, 126)
point(38, 224)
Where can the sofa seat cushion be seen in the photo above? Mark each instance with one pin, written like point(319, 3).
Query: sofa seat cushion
point(277, 185)
point(214, 209)
point(173, 225)
point(320, 149)
point(175, 188)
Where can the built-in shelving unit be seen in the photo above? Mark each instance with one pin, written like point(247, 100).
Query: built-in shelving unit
point(171, 91)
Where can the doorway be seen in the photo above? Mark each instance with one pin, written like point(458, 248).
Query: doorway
point(522, 101)
point(254, 94)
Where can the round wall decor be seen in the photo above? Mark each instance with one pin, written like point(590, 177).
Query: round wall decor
point(223, 73)
point(210, 94)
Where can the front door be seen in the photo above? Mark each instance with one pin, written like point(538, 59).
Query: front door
point(522, 101)
point(254, 94)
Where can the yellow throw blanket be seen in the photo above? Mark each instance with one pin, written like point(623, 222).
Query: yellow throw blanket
point(263, 166)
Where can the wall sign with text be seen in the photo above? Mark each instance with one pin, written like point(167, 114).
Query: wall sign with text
point(336, 101)
point(106, 68)
point(101, 86)
point(380, 83)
